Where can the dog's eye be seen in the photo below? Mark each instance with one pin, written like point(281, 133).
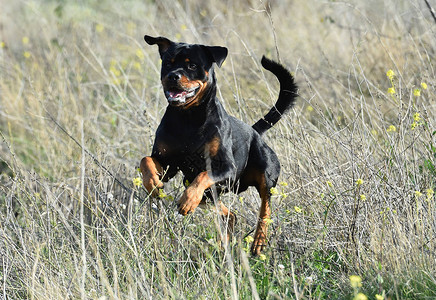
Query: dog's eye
point(192, 66)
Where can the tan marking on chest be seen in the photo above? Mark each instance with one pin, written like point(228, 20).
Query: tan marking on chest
point(213, 146)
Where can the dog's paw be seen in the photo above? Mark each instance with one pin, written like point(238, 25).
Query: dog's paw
point(259, 243)
point(189, 201)
point(152, 185)
point(150, 175)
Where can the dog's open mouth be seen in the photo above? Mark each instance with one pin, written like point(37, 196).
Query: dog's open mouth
point(177, 96)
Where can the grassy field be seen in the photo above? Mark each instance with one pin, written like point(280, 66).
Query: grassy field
point(80, 100)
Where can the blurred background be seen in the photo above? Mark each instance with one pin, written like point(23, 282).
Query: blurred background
point(80, 100)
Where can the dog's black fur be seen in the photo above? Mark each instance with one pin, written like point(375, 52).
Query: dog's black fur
point(198, 137)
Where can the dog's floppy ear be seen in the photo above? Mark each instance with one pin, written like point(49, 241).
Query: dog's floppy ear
point(162, 42)
point(217, 53)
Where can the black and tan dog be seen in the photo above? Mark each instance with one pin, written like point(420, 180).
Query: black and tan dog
point(198, 137)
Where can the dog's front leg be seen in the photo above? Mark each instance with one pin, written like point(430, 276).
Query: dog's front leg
point(193, 194)
point(152, 173)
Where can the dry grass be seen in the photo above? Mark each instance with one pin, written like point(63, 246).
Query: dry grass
point(74, 226)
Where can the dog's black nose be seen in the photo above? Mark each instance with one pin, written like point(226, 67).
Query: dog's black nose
point(174, 76)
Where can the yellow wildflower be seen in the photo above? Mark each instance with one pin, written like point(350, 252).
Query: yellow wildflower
point(309, 108)
point(137, 181)
point(416, 92)
point(139, 54)
point(390, 74)
point(418, 194)
point(391, 128)
point(391, 90)
point(2, 44)
point(417, 120)
point(262, 256)
point(115, 71)
point(26, 54)
point(379, 297)
point(362, 197)
point(183, 27)
point(329, 183)
point(423, 85)
point(249, 239)
point(25, 40)
point(274, 191)
point(162, 194)
point(137, 66)
point(283, 183)
point(268, 221)
point(355, 281)
point(297, 209)
point(360, 296)
point(99, 28)
point(359, 182)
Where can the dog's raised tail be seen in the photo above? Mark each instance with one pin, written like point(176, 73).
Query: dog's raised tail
point(287, 95)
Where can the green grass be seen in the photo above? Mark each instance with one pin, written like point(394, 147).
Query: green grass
point(73, 225)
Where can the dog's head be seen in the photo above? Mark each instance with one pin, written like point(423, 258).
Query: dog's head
point(187, 70)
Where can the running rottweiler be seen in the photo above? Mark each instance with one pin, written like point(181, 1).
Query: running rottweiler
point(214, 151)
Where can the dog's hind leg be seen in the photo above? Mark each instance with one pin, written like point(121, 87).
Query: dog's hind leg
point(260, 235)
point(229, 220)
point(262, 173)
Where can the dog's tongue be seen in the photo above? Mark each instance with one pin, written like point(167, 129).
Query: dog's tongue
point(176, 95)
